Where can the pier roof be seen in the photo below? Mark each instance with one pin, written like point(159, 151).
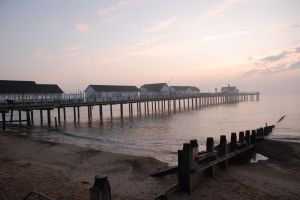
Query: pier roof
point(119, 88)
point(154, 86)
point(18, 87)
point(49, 89)
point(182, 88)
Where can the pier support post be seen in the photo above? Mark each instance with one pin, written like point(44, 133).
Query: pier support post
point(111, 112)
point(58, 115)
point(11, 116)
point(100, 113)
point(64, 109)
point(78, 113)
point(28, 118)
point(3, 121)
point(121, 110)
point(41, 117)
point(20, 118)
point(49, 117)
point(31, 113)
point(74, 112)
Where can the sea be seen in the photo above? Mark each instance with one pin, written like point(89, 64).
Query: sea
point(161, 135)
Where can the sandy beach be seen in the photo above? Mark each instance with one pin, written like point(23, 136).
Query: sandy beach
point(65, 171)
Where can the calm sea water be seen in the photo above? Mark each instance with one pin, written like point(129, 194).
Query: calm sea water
point(161, 135)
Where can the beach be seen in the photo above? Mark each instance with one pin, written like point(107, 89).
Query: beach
point(65, 171)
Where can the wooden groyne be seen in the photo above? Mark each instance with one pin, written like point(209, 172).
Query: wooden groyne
point(193, 164)
point(148, 105)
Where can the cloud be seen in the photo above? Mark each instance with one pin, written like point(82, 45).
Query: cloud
point(250, 73)
point(161, 25)
point(111, 10)
point(223, 36)
point(295, 65)
point(273, 70)
point(276, 57)
point(223, 6)
point(219, 8)
point(297, 50)
point(82, 27)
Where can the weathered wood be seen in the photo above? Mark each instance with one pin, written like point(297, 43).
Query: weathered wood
point(41, 117)
point(101, 189)
point(210, 148)
point(3, 121)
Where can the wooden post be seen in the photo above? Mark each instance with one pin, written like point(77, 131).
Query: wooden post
point(64, 109)
point(253, 136)
point(100, 113)
point(121, 110)
point(28, 118)
point(11, 116)
point(241, 136)
point(58, 115)
point(101, 189)
point(247, 137)
point(210, 147)
point(55, 119)
point(3, 121)
point(74, 112)
point(41, 117)
point(233, 142)
point(20, 117)
point(31, 112)
point(184, 165)
point(49, 117)
point(111, 114)
point(78, 113)
point(223, 150)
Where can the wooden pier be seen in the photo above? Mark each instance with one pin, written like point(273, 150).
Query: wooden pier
point(148, 105)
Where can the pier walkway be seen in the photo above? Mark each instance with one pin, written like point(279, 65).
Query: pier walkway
point(147, 104)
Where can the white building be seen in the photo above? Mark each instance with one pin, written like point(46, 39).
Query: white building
point(154, 90)
point(229, 89)
point(110, 92)
point(184, 90)
point(15, 91)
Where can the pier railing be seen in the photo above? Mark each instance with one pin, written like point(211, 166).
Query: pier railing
point(67, 99)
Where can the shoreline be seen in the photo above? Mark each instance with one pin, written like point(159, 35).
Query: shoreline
point(65, 171)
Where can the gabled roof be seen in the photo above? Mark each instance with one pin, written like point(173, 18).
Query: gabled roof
point(49, 88)
point(194, 88)
point(154, 86)
point(114, 88)
point(181, 88)
point(184, 88)
point(18, 87)
point(27, 87)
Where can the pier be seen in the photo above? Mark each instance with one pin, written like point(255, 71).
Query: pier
point(146, 105)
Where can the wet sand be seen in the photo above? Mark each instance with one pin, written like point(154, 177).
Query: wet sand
point(65, 171)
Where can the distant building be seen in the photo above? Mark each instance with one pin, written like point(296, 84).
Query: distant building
point(229, 89)
point(184, 90)
point(113, 92)
point(27, 90)
point(154, 90)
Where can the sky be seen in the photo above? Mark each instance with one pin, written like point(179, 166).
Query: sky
point(253, 44)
